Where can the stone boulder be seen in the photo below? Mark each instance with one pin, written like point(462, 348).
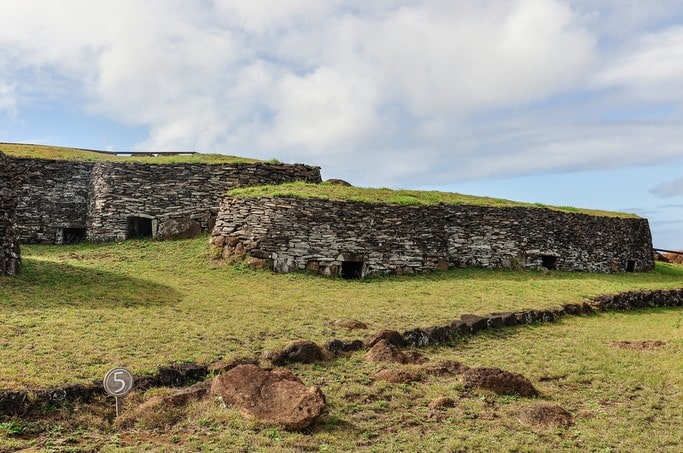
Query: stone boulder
point(183, 228)
point(391, 336)
point(337, 347)
point(302, 351)
point(181, 374)
point(474, 323)
point(339, 182)
point(498, 381)
point(383, 351)
point(274, 397)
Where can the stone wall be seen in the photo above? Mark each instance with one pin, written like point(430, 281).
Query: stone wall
point(10, 259)
point(66, 201)
point(355, 239)
point(172, 197)
point(52, 196)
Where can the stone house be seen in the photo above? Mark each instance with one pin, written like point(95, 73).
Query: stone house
point(354, 239)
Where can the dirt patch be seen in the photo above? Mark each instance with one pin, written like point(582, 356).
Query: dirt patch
point(640, 345)
point(498, 381)
point(445, 368)
point(545, 416)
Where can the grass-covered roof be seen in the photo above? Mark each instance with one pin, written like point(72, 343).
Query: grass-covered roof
point(85, 155)
point(330, 191)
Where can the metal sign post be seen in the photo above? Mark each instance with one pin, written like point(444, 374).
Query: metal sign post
point(117, 383)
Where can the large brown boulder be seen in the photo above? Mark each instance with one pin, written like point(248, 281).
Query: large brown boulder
point(271, 396)
point(183, 228)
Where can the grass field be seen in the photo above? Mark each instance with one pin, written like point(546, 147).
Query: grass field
point(76, 311)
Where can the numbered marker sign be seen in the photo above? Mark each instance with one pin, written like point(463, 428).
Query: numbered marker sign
point(118, 382)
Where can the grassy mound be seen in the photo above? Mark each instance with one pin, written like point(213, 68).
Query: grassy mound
point(85, 155)
point(329, 191)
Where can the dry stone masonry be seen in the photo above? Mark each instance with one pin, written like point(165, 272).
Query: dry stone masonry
point(65, 201)
point(52, 199)
point(149, 200)
point(355, 239)
point(10, 259)
point(55, 201)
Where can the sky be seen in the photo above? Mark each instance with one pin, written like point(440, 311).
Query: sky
point(562, 102)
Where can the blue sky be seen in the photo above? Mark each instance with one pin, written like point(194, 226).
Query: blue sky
point(565, 102)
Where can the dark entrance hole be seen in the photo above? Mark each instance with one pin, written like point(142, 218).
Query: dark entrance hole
point(631, 266)
point(549, 262)
point(73, 235)
point(139, 227)
point(352, 270)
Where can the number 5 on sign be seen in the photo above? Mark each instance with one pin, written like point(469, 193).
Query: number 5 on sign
point(117, 383)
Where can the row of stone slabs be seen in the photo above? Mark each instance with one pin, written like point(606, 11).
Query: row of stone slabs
point(24, 402)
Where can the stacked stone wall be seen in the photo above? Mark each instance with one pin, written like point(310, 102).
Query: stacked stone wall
point(57, 201)
point(10, 258)
point(165, 193)
point(51, 195)
point(324, 236)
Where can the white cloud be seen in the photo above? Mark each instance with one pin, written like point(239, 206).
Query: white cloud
point(669, 189)
point(651, 68)
point(322, 110)
point(8, 99)
point(386, 92)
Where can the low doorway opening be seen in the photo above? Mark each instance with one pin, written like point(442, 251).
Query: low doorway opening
point(352, 270)
point(549, 262)
point(631, 266)
point(73, 235)
point(139, 227)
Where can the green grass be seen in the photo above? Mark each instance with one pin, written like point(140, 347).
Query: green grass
point(76, 311)
point(328, 191)
point(76, 154)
